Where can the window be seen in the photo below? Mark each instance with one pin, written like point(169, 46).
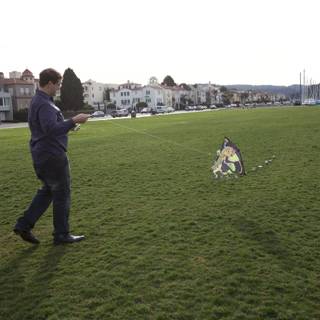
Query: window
point(121, 94)
point(1, 101)
point(21, 91)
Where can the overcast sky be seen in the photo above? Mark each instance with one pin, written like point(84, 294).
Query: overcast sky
point(194, 41)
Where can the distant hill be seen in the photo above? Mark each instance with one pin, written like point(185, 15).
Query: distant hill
point(290, 91)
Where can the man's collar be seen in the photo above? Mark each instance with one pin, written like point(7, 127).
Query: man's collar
point(44, 95)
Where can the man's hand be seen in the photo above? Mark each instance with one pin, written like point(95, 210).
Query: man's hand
point(81, 118)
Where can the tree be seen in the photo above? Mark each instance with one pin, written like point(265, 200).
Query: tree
point(244, 97)
point(223, 89)
point(168, 81)
point(226, 99)
point(71, 91)
point(106, 94)
point(208, 98)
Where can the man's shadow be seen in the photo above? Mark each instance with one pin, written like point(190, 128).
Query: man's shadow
point(21, 294)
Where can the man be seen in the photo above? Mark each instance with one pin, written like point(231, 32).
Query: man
point(48, 145)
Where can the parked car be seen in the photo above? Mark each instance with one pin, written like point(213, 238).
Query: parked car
point(170, 109)
point(159, 109)
point(98, 114)
point(146, 110)
point(119, 113)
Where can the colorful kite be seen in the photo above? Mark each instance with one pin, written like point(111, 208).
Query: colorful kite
point(228, 161)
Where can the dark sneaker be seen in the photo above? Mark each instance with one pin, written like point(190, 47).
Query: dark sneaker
point(26, 236)
point(66, 238)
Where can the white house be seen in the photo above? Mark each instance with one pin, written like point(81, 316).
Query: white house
point(153, 95)
point(173, 96)
point(198, 94)
point(93, 93)
point(15, 75)
point(126, 95)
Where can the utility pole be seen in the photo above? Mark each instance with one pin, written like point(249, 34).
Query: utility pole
point(300, 90)
point(304, 86)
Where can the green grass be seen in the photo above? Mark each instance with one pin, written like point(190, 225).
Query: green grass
point(165, 240)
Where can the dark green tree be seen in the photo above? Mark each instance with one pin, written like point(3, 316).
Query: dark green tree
point(168, 81)
point(208, 98)
point(106, 94)
point(226, 97)
point(71, 91)
point(223, 89)
point(244, 97)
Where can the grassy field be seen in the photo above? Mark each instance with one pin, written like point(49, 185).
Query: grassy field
point(164, 239)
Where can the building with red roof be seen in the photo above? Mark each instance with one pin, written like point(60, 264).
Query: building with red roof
point(21, 91)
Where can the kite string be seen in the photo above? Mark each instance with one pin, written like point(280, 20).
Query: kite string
point(161, 139)
point(178, 144)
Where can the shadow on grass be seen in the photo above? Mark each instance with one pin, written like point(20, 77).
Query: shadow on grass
point(25, 282)
point(267, 240)
point(12, 279)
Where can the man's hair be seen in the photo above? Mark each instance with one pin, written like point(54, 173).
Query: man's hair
point(48, 75)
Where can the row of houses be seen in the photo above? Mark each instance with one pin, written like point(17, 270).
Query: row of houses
point(16, 93)
point(129, 94)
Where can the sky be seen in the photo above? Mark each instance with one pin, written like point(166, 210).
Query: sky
point(194, 41)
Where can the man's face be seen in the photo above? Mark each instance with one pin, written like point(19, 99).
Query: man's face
point(54, 87)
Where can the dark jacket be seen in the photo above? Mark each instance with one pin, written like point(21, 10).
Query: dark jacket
point(48, 128)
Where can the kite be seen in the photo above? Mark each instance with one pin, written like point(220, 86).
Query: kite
point(228, 161)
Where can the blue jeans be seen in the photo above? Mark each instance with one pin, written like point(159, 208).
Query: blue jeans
point(54, 174)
